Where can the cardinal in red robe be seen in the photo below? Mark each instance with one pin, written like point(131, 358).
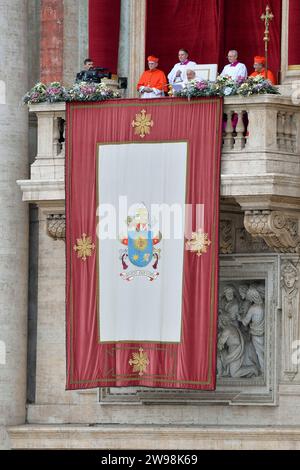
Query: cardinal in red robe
point(153, 82)
point(259, 66)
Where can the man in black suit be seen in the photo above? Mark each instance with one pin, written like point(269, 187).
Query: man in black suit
point(87, 65)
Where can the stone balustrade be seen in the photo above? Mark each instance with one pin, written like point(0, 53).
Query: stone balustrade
point(260, 165)
point(260, 153)
point(49, 163)
point(250, 124)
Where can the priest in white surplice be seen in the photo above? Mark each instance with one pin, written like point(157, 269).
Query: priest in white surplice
point(178, 72)
point(235, 69)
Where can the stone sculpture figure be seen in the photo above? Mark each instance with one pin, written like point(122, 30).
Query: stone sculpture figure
point(289, 276)
point(229, 304)
point(231, 351)
point(290, 317)
point(244, 303)
point(255, 318)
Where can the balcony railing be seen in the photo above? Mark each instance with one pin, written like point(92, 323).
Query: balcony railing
point(260, 154)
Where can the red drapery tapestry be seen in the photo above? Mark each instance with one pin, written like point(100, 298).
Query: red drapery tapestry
point(92, 130)
point(104, 26)
point(209, 28)
point(294, 33)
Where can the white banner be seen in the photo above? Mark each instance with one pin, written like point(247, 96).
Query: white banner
point(140, 255)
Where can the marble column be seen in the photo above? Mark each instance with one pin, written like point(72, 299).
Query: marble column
point(34, 41)
point(13, 214)
point(137, 44)
point(124, 40)
point(75, 38)
point(52, 38)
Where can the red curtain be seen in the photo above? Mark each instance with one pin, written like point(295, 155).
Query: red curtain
point(192, 362)
point(294, 32)
point(194, 25)
point(104, 26)
point(244, 31)
point(209, 28)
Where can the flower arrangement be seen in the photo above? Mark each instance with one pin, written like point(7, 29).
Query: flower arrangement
point(55, 92)
point(90, 91)
point(37, 94)
point(256, 86)
point(225, 86)
point(195, 88)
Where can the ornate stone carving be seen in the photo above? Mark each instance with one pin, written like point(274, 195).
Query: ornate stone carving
point(245, 243)
point(290, 317)
point(56, 226)
point(241, 331)
point(226, 237)
point(278, 230)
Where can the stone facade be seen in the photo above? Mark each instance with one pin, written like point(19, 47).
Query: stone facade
point(255, 408)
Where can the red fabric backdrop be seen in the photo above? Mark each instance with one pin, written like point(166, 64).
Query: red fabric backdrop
point(294, 32)
point(104, 25)
point(195, 25)
point(244, 31)
point(192, 362)
point(208, 28)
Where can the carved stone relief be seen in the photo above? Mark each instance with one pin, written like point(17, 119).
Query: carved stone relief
point(241, 330)
point(226, 236)
point(278, 230)
point(290, 316)
point(234, 238)
point(56, 226)
point(245, 243)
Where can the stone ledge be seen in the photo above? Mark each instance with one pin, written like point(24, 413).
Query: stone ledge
point(42, 190)
point(154, 437)
point(50, 107)
point(235, 185)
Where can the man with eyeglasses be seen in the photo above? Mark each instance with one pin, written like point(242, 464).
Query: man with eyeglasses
point(235, 69)
point(178, 72)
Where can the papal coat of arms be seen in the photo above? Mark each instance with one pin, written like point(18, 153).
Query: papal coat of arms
point(141, 255)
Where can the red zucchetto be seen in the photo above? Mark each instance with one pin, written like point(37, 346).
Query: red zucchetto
point(152, 58)
point(258, 59)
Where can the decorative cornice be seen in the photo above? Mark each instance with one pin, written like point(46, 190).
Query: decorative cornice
point(278, 230)
point(56, 226)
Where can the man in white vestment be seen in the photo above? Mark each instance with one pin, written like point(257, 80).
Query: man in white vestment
point(190, 79)
point(178, 72)
point(234, 69)
point(190, 75)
